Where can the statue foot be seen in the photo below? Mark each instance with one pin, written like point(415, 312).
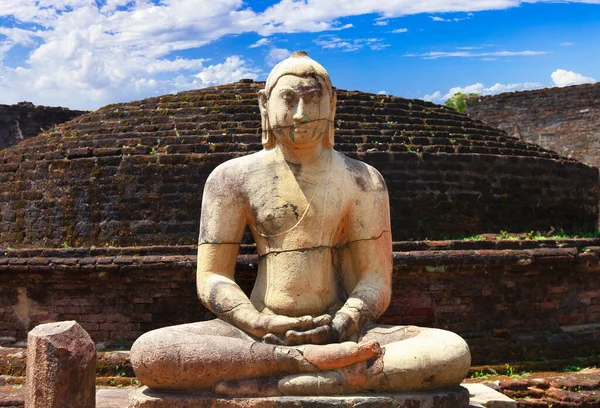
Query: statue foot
point(347, 380)
point(338, 355)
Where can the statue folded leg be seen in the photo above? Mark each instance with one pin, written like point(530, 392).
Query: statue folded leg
point(217, 356)
point(197, 356)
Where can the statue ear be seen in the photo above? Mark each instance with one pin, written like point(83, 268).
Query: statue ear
point(329, 140)
point(268, 141)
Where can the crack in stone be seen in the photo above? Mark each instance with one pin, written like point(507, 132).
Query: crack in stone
point(218, 243)
point(232, 308)
point(300, 124)
point(322, 247)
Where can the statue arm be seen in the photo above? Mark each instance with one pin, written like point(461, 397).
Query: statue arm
point(222, 223)
point(368, 265)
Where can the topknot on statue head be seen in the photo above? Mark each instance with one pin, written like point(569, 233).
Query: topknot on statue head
point(298, 64)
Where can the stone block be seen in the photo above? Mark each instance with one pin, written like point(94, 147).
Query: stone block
point(450, 398)
point(484, 396)
point(61, 367)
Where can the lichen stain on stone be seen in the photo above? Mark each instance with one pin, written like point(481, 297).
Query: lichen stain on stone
point(435, 269)
point(361, 183)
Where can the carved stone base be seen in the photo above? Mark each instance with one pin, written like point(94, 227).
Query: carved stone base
point(449, 398)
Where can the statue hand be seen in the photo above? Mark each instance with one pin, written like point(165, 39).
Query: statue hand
point(317, 329)
point(267, 326)
point(331, 331)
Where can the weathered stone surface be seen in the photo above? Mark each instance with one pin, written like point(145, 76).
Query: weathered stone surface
point(61, 367)
point(321, 224)
point(564, 120)
point(448, 175)
point(24, 120)
point(453, 398)
point(488, 397)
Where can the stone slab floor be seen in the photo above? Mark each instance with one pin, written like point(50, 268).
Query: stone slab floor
point(579, 389)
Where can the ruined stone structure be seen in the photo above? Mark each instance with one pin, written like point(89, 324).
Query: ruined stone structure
point(24, 120)
point(132, 174)
point(565, 120)
point(99, 219)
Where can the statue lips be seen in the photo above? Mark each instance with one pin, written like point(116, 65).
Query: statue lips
point(299, 129)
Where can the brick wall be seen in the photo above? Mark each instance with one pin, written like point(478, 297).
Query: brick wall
point(473, 288)
point(565, 120)
point(132, 174)
point(24, 120)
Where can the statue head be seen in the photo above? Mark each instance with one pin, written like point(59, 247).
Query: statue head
point(298, 103)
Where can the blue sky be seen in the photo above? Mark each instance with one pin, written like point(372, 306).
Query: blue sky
point(84, 54)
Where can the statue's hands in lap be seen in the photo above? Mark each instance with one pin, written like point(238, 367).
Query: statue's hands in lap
point(319, 330)
point(290, 331)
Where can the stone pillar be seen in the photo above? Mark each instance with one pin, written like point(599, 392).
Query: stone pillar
point(61, 367)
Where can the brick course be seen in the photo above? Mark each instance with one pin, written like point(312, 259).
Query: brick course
point(117, 294)
point(564, 120)
point(24, 120)
point(132, 174)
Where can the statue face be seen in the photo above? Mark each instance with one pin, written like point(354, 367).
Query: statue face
point(299, 110)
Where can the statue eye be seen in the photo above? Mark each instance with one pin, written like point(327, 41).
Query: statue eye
point(289, 96)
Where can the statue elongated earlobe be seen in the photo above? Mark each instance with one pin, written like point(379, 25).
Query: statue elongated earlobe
point(329, 137)
point(267, 139)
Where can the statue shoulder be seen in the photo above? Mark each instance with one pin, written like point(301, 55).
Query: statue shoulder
point(364, 176)
point(233, 174)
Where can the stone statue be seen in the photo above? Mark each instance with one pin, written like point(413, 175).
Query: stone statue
point(322, 229)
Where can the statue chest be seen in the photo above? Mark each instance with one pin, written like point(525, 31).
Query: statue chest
point(284, 205)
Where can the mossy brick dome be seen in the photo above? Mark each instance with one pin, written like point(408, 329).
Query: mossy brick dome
point(132, 174)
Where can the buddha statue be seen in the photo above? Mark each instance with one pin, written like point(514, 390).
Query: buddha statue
point(321, 224)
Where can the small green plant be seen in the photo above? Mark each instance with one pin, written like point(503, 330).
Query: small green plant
point(473, 238)
point(505, 236)
point(571, 368)
point(511, 372)
point(459, 101)
point(480, 374)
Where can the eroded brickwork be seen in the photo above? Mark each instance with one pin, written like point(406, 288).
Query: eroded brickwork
point(25, 120)
point(474, 288)
point(133, 174)
point(565, 120)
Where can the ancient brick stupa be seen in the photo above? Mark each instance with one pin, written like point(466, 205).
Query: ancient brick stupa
point(132, 173)
point(99, 216)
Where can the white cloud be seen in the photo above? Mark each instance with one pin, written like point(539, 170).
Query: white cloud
point(85, 53)
point(260, 43)
point(348, 45)
point(233, 69)
point(18, 35)
point(451, 20)
point(480, 88)
point(434, 97)
point(381, 23)
point(566, 44)
point(468, 54)
point(382, 93)
point(276, 55)
point(400, 30)
point(562, 77)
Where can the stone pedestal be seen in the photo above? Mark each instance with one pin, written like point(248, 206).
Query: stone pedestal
point(450, 398)
point(61, 367)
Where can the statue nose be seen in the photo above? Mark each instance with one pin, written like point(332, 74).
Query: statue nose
point(300, 114)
